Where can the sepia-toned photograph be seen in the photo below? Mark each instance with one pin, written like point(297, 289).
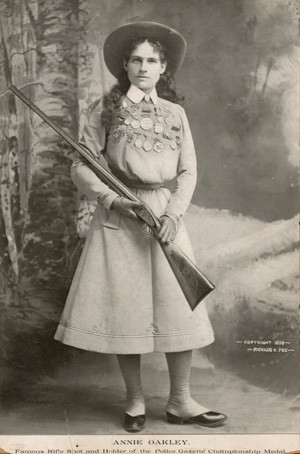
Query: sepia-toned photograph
point(149, 223)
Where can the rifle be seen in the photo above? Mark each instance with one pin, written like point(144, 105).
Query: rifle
point(194, 285)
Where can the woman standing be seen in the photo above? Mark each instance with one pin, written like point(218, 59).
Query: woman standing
point(124, 298)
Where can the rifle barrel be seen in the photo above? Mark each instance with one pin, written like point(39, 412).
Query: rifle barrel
point(118, 185)
point(195, 286)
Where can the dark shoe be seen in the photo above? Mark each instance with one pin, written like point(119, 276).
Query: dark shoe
point(134, 423)
point(208, 419)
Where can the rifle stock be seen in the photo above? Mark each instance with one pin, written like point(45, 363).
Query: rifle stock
point(195, 286)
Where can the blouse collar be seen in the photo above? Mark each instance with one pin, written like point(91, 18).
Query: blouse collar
point(136, 95)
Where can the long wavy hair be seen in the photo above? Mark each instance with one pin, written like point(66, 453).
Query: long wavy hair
point(165, 87)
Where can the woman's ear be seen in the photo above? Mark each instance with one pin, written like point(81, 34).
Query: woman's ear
point(125, 66)
point(163, 67)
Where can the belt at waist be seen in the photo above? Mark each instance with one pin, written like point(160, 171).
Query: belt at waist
point(141, 185)
point(134, 184)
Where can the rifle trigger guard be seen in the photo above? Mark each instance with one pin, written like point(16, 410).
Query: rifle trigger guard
point(145, 214)
point(145, 227)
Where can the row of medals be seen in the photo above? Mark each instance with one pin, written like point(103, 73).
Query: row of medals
point(146, 123)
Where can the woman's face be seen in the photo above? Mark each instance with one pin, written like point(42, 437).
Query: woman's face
point(144, 67)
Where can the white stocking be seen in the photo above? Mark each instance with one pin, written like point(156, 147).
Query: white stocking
point(130, 366)
point(180, 401)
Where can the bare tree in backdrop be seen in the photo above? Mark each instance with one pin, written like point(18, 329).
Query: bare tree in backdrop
point(39, 47)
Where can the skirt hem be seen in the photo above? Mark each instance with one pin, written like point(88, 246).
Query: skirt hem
point(148, 344)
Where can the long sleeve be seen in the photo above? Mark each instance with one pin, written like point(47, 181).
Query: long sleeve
point(93, 138)
point(186, 171)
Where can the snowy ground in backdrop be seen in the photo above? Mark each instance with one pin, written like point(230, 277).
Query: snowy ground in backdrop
point(247, 257)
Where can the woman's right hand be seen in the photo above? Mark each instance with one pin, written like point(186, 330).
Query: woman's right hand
point(125, 207)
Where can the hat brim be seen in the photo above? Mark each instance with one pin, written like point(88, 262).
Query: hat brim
point(116, 43)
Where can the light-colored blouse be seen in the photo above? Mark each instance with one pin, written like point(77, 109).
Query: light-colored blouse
point(149, 142)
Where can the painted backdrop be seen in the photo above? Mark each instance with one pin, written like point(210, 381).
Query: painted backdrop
point(239, 80)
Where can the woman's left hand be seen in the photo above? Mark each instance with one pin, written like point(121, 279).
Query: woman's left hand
point(167, 230)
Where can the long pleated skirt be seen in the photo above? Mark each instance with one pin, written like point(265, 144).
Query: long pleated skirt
point(124, 297)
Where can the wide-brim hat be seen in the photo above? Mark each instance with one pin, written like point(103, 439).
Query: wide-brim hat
point(117, 41)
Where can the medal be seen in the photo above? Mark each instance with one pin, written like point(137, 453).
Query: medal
point(160, 119)
point(158, 147)
point(129, 138)
point(158, 128)
point(138, 143)
point(135, 112)
point(117, 134)
point(135, 124)
point(135, 115)
point(127, 121)
point(146, 123)
point(146, 108)
point(169, 120)
point(147, 145)
point(124, 104)
point(173, 144)
point(124, 113)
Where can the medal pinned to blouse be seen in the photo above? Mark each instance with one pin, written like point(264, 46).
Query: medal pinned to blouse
point(117, 135)
point(124, 114)
point(135, 124)
point(146, 123)
point(135, 112)
point(173, 144)
point(138, 143)
point(158, 128)
point(147, 145)
point(170, 120)
point(146, 107)
point(129, 138)
point(158, 147)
